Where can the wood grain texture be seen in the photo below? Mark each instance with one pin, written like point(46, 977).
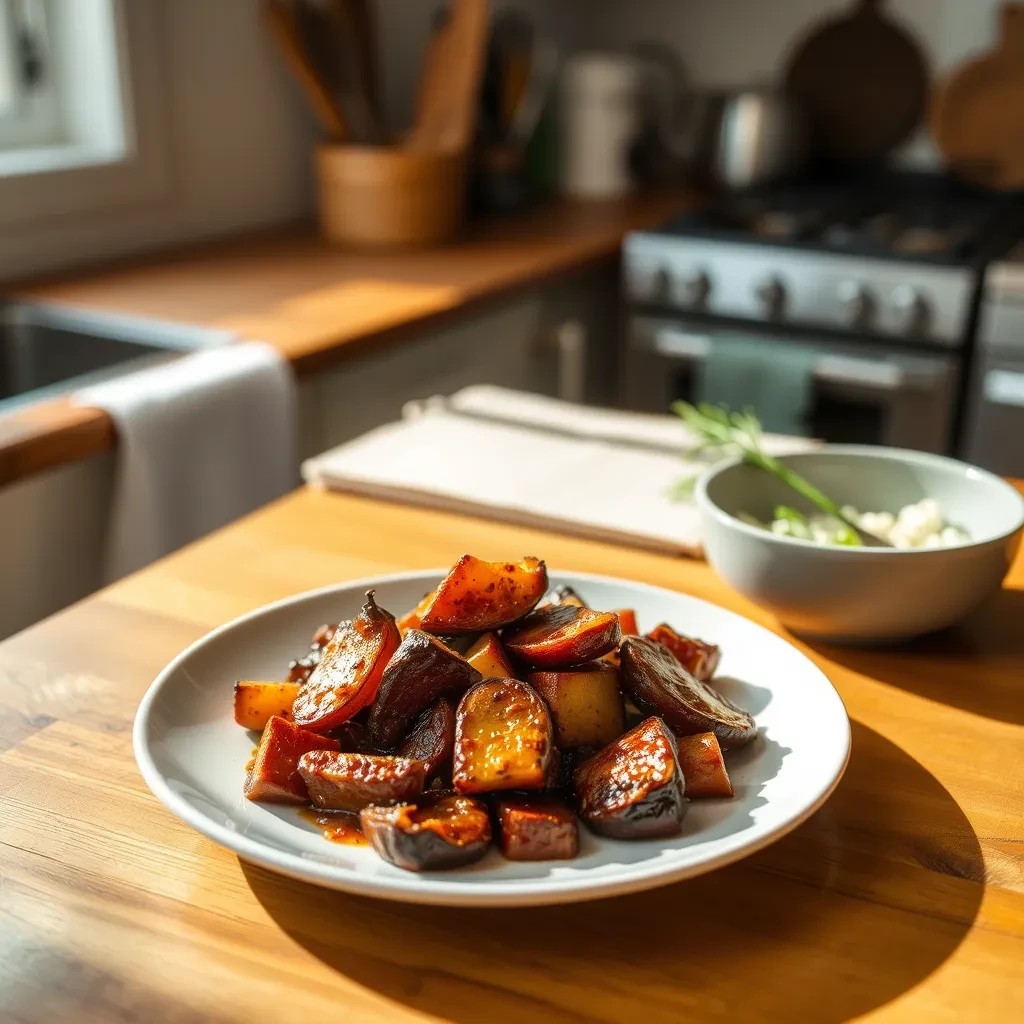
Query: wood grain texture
point(901, 900)
point(318, 304)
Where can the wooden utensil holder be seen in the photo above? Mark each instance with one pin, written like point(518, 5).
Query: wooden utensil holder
point(389, 197)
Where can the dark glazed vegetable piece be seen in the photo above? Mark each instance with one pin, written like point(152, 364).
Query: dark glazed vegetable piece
point(562, 635)
point(421, 670)
point(654, 679)
point(698, 658)
point(432, 740)
point(274, 775)
point(503, 738)
point(478, 596)
point(536, 827)
point(350, 782)
point(633, 788)
point(350, 669)
point(434, 834)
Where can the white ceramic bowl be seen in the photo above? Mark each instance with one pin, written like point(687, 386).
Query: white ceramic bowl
point(862, 595)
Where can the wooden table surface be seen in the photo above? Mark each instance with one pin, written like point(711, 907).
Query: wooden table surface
point(902, 899)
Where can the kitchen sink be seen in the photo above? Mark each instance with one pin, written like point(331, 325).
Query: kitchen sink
point(47, 351)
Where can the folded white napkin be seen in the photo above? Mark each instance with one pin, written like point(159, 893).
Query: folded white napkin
point(534, 461)
point(201, 441)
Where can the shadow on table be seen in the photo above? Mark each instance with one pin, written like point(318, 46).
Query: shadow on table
point(977, 665)
point(859, 905)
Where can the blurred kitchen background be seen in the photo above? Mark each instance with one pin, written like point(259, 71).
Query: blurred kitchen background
point(812, 208)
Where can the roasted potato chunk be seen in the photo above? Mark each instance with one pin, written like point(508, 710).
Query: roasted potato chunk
point(432, 740)
point(350, 782)
point(633, 788)
point(488, 657)
point(421, 670)
point(478, 596)
point(434, 834)
point(585, 704)
point(563, 635)
point(698, 658)
point(257, 702)
point(350, 669)
point(534, 826)
point(653, 677)
point(702, 765)
point(503, 738)
point(274, 775)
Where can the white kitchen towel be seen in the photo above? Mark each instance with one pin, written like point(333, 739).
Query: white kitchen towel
point(201, 441)
point(533, 461)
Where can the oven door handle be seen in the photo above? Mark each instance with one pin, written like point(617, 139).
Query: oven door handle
point(919, 375)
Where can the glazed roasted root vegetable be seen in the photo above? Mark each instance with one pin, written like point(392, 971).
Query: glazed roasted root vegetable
point(350, 669)
point(257, 702)
point(627, 621)
point(432, 741)
point(633, 788)
point(653, 678)
point(585, 704)
point(421, 670)
point(536, 826)
point(350, 782)
point(412, 619)
point(562, 635)
point(503, 738)
point(435, 833)
point(478, 596)
point(488, 657)
point(274, 775)
point(702, 765)
point(698, 658)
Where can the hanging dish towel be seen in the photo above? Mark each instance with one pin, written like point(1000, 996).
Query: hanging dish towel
point(772, 379)
point(201, 441)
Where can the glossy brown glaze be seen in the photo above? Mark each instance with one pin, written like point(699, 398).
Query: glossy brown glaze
point(633, 789)
point(702, 765)
point(562, 635)
point(585, 704)
point(698, 658)
point(274, 775)
point(653, 678)
point(503, 738)
point(350, 782)
point(350, 670)
point(533, 826)
point(421, 670)
point(432, 741)
point(478, 596)
point(336, 826)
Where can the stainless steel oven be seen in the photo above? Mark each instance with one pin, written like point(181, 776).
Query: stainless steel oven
point(862, 391)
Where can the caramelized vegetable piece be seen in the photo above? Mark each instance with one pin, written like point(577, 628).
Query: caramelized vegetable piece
point(412, 619)
point(566, 595)
point(658, 684)
point(432, 740)
point(702, 765)
point(503, 738)
point(698, 658)
point(536, 827)
point(627, 622)
point(355, 738)
point(274, 775)
point(488, 657)
point(350, 782)
point(434, 834)
point(421, 670)
point(302, 668)
point(585, 704)
point(478, 596)
point(563, 635)
point(350, 669)
point(633, 788)
point(256, 702)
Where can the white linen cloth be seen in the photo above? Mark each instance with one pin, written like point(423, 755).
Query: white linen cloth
point(534, 461)
point(202, 440)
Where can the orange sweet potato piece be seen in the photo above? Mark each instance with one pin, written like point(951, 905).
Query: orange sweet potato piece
point(257, 702)
point(702, 765)
point(627, 621)
point(478, 596)
point(562, 635)
point(698, 658)
point(585, 703)
point(488, 657)
point(274, 775)
point(350, 669)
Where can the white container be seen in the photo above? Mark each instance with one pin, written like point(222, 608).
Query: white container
point(601, 119)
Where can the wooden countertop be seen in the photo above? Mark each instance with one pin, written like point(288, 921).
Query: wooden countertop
point(901, 900)
point(318, 304)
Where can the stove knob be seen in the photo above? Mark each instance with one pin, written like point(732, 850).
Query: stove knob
point(909, 309)
point(856, 302)
point(771, 295)
point(693, 288)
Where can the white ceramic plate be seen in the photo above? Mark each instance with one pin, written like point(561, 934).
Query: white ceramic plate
point(193, 755)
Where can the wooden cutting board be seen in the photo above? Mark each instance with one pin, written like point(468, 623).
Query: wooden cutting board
point(862, 82)
point(977, 115)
